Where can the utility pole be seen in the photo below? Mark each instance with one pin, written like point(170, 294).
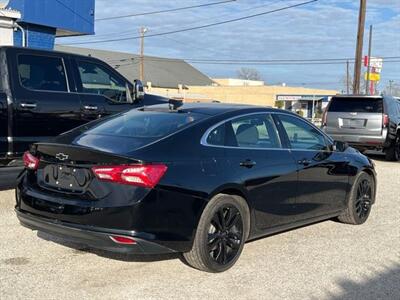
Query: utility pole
point(359, 48)
point(347, 78)
point(367, 87)
point(143, 30)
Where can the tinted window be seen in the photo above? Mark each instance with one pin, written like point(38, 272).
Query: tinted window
point(42, 73)
point(302, 135)
point(126, 132)
point(253, 131)
point(356, 105)
point(217, 136)
point(97, 79)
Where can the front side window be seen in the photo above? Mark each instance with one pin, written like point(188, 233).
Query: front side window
point(302, 135)
point(252, 131)
point(97, 79)
point(42, 73)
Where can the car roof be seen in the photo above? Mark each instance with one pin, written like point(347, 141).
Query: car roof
point(46, 51)
point(211, 109)
point(358, 96)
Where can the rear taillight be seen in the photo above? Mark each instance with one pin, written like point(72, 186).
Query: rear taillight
point(385, 120)
point(30, 162)
point(139, 175)
point(125, 240)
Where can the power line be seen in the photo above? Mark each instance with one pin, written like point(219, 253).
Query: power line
point(164, 11)
point(260, 61)
point(196, 27)
point(129, 32)
point(304, 63)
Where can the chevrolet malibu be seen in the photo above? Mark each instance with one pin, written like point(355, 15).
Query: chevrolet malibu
point(197, 179)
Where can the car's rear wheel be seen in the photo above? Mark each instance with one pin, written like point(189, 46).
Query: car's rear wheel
point(360, 202)
point(393, 152)
point(222, 231)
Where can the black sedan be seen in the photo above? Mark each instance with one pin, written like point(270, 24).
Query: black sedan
point(200, 179)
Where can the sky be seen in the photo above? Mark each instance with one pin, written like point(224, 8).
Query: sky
point(323, 29)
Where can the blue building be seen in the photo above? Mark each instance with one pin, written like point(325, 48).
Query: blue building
point(44, 20)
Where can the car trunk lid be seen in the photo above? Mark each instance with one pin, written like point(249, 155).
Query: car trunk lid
point(68, 169)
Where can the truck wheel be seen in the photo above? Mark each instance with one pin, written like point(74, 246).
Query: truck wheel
point(222, 231)
point(393, 152)
point(360, 202)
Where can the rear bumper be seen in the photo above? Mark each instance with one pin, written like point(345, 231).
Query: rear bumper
point(91, 236)
point(364, 141)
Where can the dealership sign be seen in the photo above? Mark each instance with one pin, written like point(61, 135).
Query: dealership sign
point(375, 62)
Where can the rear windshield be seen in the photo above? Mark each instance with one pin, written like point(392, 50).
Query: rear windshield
point(361, 105)
point(129, 131)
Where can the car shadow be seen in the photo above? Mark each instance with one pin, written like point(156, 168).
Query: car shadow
point(81, 249)
point(382, 285)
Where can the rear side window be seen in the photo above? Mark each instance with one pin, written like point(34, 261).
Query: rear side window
point(42, 73)
point(360, 105)
point(252, 131)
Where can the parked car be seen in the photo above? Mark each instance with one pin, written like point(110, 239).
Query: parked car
point(199, 180)
point(45, 93)
point(365, 122)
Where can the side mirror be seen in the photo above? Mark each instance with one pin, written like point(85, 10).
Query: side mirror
point(339, 146)
point(138, 91)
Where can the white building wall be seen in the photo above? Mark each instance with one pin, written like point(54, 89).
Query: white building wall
point(7, 19)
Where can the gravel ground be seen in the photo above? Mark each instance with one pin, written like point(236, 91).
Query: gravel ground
point(327, 260)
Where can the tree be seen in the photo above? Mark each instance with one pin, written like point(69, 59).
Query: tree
point(249, 74)
point(392, 89)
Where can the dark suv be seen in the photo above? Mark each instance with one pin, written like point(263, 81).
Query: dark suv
point(365, 122)
point(45, 93)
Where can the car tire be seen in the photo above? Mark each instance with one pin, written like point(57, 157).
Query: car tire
point(221, 233)
point(393, 152)
point(360, 201)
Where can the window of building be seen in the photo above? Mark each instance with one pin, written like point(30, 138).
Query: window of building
point(42, 73)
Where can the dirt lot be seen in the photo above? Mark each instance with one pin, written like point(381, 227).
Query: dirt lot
point(327, 260)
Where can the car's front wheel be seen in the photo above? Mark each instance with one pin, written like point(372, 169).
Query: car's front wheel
point(361, 200)
point(222, 231)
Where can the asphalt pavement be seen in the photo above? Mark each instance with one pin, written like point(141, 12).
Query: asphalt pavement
point(327, 260)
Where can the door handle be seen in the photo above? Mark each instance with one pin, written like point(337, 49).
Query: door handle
point(248, 163)
point(28, 105)
point(305, 162)
point(91, 108)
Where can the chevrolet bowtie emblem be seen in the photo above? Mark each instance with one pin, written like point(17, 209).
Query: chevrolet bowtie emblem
point(62, 156)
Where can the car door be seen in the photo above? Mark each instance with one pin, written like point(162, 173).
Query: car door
point(266, 170)
point(102, 90)
point(3, 124)
point(322, 173)
point(43, 104)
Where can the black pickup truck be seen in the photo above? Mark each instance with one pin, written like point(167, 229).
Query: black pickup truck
point(45, 93)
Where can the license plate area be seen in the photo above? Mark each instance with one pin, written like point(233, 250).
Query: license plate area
point(353, 123)
point(66, 178)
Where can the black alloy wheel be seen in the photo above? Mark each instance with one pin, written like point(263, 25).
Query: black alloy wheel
point(362, 197)
point(221, 234)
point(363, 201)
point(225, 234)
